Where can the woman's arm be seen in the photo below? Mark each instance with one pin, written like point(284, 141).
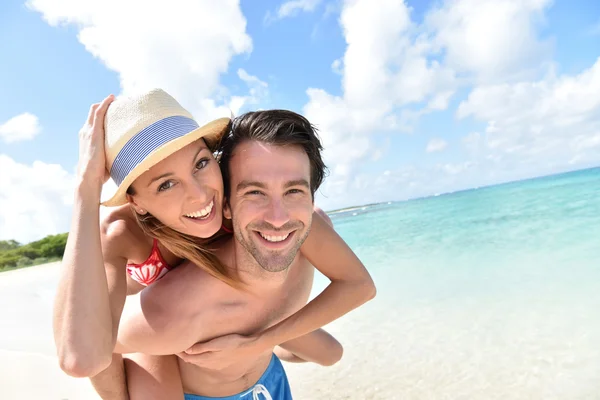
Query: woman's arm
point(318, 347)
point(91, 290)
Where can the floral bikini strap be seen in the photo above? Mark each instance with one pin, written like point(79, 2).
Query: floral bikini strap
point(226, 229)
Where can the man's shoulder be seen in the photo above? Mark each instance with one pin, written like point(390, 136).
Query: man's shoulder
point(185, 275)
point(182, 293)
point(183, 306)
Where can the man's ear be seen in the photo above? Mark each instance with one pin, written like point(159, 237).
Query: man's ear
point(226, 209)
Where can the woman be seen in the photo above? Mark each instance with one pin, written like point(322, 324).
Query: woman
point(175, 204)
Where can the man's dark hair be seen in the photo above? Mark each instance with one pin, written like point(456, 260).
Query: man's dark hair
point(274, 127)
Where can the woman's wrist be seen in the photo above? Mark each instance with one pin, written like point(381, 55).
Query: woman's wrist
point(88, 191)
point(266, 339)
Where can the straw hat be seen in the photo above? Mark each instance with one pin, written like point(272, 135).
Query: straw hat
point(143, 130)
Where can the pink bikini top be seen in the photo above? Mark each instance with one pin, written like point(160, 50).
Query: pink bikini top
point(151, 270)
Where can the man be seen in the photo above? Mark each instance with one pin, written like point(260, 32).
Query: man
point(272, 167)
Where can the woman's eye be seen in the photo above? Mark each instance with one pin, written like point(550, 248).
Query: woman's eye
point(202, 163)
point(165, 185)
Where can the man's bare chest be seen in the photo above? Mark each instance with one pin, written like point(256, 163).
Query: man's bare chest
point(247, 314)
point(244, 315)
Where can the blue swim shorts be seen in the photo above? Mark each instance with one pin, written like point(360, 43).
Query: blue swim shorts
point(272, 385)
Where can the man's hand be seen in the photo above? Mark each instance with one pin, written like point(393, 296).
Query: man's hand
point(224, 351)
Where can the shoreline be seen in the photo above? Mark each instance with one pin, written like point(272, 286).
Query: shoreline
point(10, 271)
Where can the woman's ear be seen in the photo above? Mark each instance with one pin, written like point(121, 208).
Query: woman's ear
point(136, 207)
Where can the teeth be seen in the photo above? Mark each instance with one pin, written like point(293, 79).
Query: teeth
point(202, 213)
point(274, 238)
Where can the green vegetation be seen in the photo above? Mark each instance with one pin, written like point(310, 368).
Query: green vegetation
point(14, 255)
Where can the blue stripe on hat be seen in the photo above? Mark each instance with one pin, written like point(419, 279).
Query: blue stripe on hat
point(148, 140)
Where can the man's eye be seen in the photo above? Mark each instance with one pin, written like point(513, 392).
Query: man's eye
point(202, 163)
point(254, 192)
point(165, 185)
point(295, 191)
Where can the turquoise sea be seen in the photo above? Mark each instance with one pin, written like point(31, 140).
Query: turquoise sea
point(491, 293)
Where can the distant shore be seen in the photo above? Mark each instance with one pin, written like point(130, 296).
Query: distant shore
point(41, 264)
point(351, 208)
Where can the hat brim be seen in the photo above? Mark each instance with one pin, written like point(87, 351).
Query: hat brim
point(211, 133)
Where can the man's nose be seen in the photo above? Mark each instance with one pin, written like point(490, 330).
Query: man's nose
point(277, 213)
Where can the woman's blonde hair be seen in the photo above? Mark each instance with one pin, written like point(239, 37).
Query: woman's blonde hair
point(197, 250)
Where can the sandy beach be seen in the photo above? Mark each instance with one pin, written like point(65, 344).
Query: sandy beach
point(29, 368)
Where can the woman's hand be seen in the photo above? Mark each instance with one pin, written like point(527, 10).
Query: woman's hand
point(92, 162)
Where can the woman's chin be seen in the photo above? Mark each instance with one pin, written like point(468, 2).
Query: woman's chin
point(204, 228)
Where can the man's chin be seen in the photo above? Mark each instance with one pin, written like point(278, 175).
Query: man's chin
point(274, 263)
point(273, 257)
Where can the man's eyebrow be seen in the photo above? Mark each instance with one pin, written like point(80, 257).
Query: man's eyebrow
point(246, 184)
point(297, 182)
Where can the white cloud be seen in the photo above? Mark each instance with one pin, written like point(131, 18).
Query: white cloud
point(493, 39)
point(250, 79)
point(436, 145)
point(407, 182)
point(35, 199)
point(551, 121)
point(383, 62)
point(336, 66)
point(181, 46)
point(258, 90)
point(291, 9)
point(19, 128)
point(440, 101)
point(395, 71)
point(385, 67)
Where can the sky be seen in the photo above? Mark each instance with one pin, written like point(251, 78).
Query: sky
point(411, 98)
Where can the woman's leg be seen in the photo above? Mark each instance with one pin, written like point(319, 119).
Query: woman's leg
point(153, 377)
